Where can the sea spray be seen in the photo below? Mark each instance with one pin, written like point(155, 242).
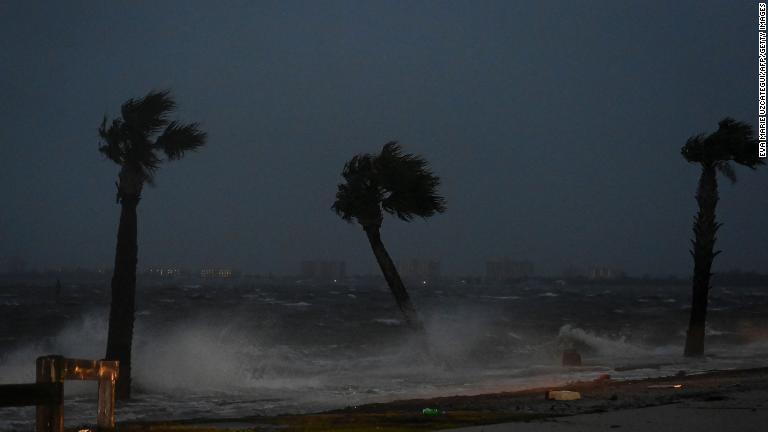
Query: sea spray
point(235, 351)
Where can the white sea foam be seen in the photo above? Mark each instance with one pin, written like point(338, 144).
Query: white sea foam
point(298, 304)
point(388, 321)
point(210, 363)
point(592, 343)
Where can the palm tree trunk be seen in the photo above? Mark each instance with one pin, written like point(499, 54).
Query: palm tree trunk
point(704, 229)
point(393, 278)
point(121, 312)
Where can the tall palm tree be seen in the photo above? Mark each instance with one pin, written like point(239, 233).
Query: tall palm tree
point(733, 141)
point(396, 183)
point(135, 142)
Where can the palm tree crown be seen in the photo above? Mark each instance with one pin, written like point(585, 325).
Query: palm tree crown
point(733, 141)
point(128, 141)
point(397, 183)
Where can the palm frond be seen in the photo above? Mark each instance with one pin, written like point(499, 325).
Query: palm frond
point(128, 140)
point(727, 170)
point(112, 142)
point(143, 156)
point(692, 150)
point(178, 139)
point(733, 141)
point(149, 114)
point(398, 183)
point(360, 196)
point(411, 187)
point(739, 139)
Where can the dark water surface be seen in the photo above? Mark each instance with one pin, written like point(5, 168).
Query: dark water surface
point(226, 351)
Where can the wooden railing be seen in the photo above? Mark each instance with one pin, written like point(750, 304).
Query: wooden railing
point(48, 392)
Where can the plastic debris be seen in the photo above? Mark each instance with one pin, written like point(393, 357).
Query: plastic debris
point(563, 395)
point(430, 411)
point(602, 377)
point(665, 386)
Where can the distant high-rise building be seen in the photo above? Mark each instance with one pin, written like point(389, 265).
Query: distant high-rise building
point(420, 270)
point(218, 273)
point(323, 271)
point(506, 268)
point(163, 272)
point(605, 273)
point(14, 265)
point(594, 273)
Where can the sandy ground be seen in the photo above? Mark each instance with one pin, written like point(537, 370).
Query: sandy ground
point(599, 395)
point(717, 401)
point(737, 411)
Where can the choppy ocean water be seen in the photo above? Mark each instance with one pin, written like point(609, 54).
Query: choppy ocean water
point(229, 351)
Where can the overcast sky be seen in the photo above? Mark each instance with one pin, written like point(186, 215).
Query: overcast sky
point(555, 126)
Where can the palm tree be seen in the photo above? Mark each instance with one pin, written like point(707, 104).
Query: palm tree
point(733, 141)
point(399, 184)
point(135, 142)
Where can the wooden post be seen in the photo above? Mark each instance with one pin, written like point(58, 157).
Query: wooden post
point(105, 414)
point(50, 417)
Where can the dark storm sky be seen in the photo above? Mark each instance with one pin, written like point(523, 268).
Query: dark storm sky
point(555, 126)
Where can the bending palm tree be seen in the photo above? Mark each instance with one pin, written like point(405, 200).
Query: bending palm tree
point(400, 184)
point(733, 141)
point(129, 142)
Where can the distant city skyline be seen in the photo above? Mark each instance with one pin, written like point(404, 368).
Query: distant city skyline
point(413, 269)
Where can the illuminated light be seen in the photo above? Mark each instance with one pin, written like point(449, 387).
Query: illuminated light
point(678, 386)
